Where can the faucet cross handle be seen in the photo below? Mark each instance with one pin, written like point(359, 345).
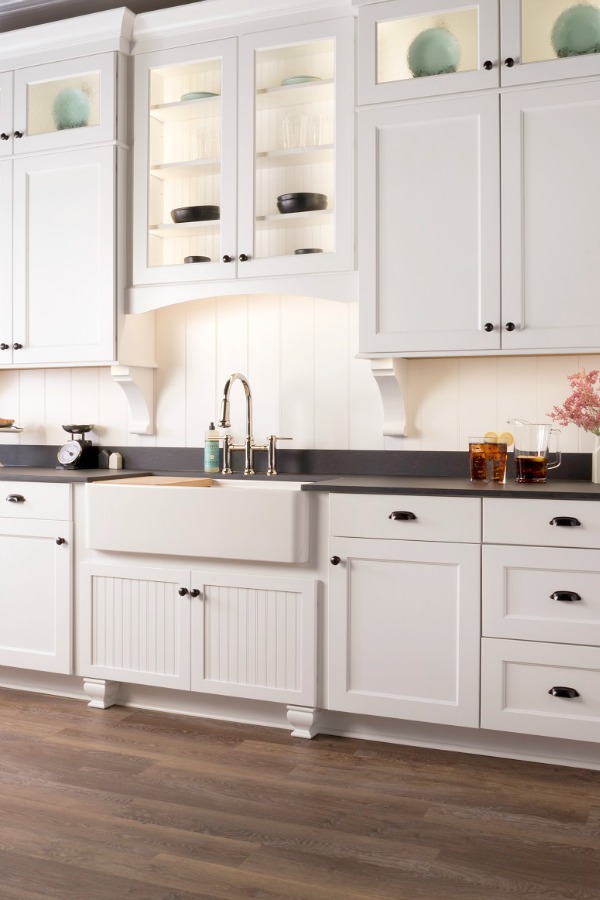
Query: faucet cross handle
point(272, 452)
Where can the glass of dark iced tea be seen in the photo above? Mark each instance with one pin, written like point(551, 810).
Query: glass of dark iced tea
point(487, 460)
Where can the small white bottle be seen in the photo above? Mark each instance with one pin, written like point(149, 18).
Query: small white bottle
point(211, 449)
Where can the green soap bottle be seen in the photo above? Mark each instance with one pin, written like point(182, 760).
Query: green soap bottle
point(211, 449)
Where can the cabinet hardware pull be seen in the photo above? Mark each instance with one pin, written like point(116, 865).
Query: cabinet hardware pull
point(401, 515)
point(4, 136)
point(488, 326)
point(16, 498)
point(567, 692)
point(488, 64)
point(227, 258)
point(60, 541)
point(182, 592)
point(18, 134)
point(568, 596)
point(4, 347)
point(17, 346)
point(565, 521)
point(509, 62)
point(510, 326)
point(335, 560)
point(243, 257)
point(194, 592)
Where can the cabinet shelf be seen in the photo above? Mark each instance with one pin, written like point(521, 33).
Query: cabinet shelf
point(295, 220)
point(188, 169)
point(292, 94)
point(185, 229)
point(300, 156)
point(184, 110)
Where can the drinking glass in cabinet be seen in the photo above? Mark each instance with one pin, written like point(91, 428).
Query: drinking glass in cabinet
point(553, 29)
point(63, 103)
point(185, 164)
point(294, 145)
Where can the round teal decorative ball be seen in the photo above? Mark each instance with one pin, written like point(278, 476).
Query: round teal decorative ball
point(71, 109)
point(434, 51)
point(577, 31)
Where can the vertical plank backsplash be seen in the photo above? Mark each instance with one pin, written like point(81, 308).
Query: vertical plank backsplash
point(299, 355)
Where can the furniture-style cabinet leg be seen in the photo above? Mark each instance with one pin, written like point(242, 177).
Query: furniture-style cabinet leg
point(303, 720)
point(102, 693)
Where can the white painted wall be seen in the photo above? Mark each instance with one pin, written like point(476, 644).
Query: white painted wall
point(299, 355)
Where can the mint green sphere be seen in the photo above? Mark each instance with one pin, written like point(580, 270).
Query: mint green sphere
point(71, 109)
point(577, 31)
point(434, 51)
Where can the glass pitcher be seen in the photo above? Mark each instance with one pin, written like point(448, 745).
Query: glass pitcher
point(532, 453)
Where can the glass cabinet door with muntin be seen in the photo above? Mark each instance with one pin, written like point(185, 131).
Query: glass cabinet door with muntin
point(69, 103)
point(185, 164)
point(549, 39)
point(295, 212)
point(419, 48)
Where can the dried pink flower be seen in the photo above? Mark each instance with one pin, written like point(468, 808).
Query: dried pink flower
point(582, 407)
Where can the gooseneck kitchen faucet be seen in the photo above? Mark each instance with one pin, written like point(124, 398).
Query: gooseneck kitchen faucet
point(248, 446)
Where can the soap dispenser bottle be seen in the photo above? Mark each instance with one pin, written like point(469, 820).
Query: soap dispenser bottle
point(211, 449)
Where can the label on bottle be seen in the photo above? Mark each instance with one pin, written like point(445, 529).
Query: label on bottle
point(211, 456)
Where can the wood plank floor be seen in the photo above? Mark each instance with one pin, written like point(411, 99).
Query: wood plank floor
point(120, 803)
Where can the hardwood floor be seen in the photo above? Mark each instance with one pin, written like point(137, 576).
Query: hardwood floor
point(121, 803)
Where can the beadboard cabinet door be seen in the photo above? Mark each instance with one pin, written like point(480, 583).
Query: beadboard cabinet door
point(429, 236)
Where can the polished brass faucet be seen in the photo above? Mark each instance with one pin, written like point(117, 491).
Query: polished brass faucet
point(224, 422)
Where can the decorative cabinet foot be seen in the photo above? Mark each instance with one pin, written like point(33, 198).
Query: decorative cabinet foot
point(303, 720)
point(102, 693)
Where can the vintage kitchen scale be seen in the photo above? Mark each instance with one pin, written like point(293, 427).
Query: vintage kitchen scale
point(77, 453)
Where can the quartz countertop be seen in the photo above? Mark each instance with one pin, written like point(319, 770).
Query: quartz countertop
point(63, 476)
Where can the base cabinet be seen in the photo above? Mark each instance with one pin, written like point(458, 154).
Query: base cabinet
point(404, 630)
point(231, 634)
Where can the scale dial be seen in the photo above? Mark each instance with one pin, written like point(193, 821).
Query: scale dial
point(69, 453)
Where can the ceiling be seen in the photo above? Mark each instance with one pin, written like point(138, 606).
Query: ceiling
point(22, 13)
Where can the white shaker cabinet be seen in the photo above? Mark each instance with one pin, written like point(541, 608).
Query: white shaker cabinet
point(36, 560)
point(404, 608)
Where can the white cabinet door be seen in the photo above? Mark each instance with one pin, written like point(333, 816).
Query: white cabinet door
point(6, 113)
point(36, 594)
point(254, 637)
point(133, 624)
point(550, 228)
point(404, 620)
point(429, 226)
point(64, 257)
point(6, 261)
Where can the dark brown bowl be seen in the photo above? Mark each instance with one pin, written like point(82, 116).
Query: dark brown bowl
point(196, 259)
point(194, 214)
point(301, 250)
point(302, 202)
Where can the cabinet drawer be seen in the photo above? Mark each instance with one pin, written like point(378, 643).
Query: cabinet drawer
point(529, 522)
point(34, 500)
point(516, 677)
point(401, 517)
point(541, 594)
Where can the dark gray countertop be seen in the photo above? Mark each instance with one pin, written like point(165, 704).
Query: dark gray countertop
point(456, 487)
point(62, 476)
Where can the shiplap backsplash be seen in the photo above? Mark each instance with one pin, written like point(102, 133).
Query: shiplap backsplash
point(299, 355)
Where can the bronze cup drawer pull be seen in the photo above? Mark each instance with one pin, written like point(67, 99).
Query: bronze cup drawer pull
point(565, 521)
point(16, 498)
point(401, 515)
point(568, 692)
point(565, 596)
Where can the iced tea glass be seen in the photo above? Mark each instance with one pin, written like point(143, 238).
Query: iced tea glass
point(487, 460)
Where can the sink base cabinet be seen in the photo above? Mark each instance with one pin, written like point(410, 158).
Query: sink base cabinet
point(405, 616)
point(236, 635)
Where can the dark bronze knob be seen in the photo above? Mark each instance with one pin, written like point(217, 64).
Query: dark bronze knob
point(488, 64)
point(488, 326)
point(194, 592)
point(4, 136)
point(335, 560)
point(509, 62)
point(4, 347)
point(16, 498)
point(401, 515)
point(565, 521)
point(182, 592)
point(17, 346)
point(61, 541)
point(510, 326)
point(565, 596)
point(18, 134)
point(567, 692)
point(227, 258)
point(243, 257)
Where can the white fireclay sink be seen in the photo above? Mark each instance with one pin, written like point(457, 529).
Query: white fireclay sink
point(265, 521)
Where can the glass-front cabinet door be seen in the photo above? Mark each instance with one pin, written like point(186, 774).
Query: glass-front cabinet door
point(418, 48)
point(68, 103)
point(296, 150)
point(6, 113)
point(185, 152)
point(549, 39)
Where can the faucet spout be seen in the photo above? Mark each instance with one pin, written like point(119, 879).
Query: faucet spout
point(225, 422)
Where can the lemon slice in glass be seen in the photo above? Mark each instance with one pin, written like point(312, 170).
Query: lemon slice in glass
point(491, 436)
point(506, 438)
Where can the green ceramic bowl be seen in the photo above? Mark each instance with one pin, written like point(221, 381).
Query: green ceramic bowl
point(299, 79)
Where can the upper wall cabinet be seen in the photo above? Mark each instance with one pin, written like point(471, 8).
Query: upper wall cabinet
point(222, 130)
point(418, 48)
